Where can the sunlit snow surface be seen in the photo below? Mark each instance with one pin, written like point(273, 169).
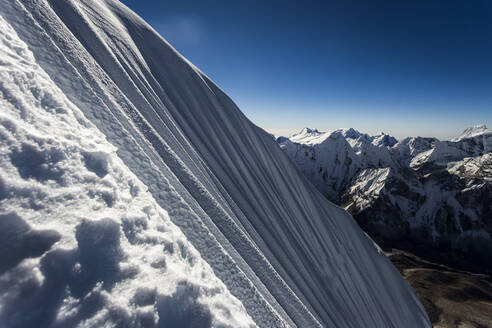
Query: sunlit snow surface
point(118, 155)
point(112, 254)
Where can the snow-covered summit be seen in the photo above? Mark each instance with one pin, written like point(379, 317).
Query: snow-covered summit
point(384, 139)
point(306, 131)
point(134, 192)
point(474, 131)
point(306, 135)
point(349, 133)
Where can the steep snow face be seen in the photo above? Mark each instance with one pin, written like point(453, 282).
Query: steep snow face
point(82, 240)
point(418, 190)
point(273, 242)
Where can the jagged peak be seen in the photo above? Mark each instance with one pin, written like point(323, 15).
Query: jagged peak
point(384, 139)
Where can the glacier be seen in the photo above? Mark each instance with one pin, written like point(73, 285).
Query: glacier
point(134, 192)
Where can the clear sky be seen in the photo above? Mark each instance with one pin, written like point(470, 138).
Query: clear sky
point(402, 67)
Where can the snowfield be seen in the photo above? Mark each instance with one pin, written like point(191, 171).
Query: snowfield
point(134, 193)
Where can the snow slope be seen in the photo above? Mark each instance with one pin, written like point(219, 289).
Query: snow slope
point(276, 252)
point(64, 189)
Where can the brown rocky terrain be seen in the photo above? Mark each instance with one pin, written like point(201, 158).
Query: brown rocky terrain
point(452, 298)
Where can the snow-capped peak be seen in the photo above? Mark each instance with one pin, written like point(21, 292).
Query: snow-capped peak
point(306, 131)
point(349, 133)
point(384, 139)
point(306, 135)
point(473, 131)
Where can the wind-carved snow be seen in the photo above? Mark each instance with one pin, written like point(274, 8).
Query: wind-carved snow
point(82, 240)
point(289, 256)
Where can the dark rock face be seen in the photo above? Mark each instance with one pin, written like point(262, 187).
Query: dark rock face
point(431, 197)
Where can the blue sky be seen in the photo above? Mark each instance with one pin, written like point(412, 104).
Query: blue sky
point(402, 67)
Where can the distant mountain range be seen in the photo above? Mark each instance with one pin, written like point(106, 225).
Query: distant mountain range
point(422, 194)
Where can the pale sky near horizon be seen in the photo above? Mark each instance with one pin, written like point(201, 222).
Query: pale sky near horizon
point(403, 67)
